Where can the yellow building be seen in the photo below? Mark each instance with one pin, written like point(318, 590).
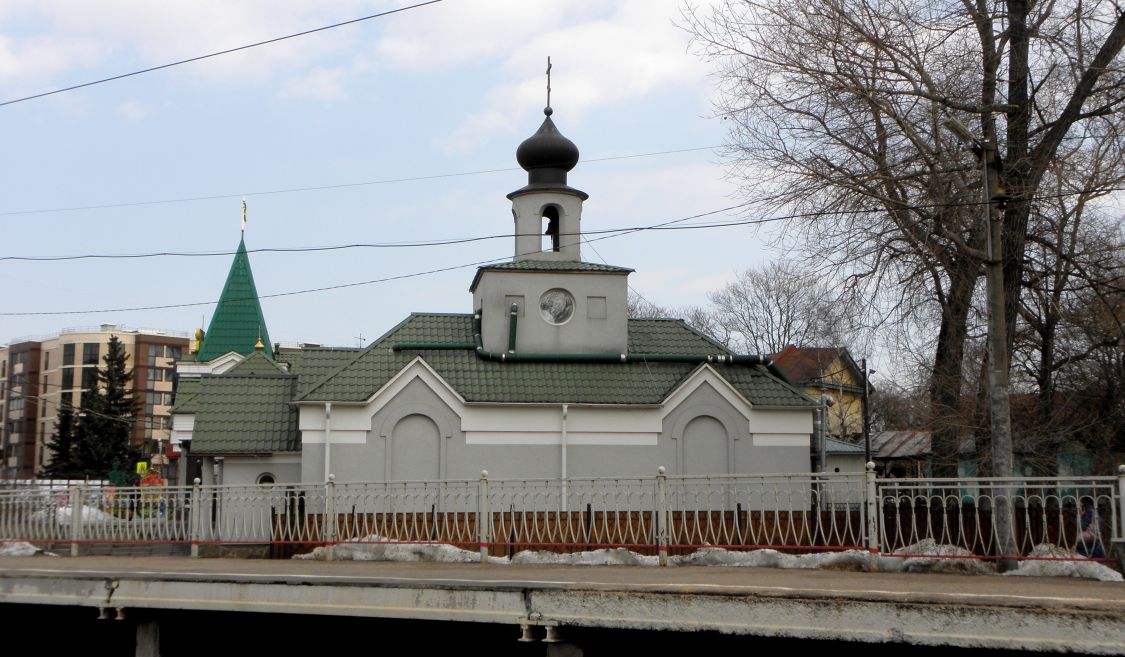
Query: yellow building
point(829, 371)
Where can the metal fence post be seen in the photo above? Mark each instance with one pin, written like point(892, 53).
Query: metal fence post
point(871, 497)
point(196, 508)
point(76, 506)
point(484, 517)
point(662, 529)
point(330, 514)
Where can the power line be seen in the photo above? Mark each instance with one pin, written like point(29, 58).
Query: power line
point(608, 234)
point(480, 238)
point(315, 188)
point(221, 52)
point(617, 233)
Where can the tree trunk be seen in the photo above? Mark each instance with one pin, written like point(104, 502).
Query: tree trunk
point(946, 416)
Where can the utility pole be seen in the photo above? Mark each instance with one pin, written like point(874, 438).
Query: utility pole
point(993, 199)
point(866, 413)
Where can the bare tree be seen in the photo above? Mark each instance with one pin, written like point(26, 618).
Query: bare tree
point(767, 308)
point(697, 317)
point(837, 107)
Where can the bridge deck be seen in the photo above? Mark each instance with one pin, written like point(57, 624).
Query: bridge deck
point(924, 609)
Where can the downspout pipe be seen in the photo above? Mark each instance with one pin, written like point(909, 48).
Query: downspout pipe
point(563, 468)
point(532, 357)
point(513, 319)
point(327, 439)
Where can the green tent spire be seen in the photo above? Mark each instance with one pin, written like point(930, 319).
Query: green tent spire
point(238, 323)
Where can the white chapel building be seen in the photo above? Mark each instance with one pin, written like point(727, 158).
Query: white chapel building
point(545, 377)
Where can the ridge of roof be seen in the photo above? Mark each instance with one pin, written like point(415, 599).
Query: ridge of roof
point(574, 266)
point(479, 380)
point(374, 344)
point(255, 364)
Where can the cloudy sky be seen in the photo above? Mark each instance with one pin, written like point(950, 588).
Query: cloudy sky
point(407, 125)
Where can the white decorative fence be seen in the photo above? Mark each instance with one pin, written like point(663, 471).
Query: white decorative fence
point(661, 514)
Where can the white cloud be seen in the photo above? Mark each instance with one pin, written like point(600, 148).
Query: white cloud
point(318, 84)
point(603, 53)
point(606, 51)
point(132, 110)
point(39, 57)
point(44, 39)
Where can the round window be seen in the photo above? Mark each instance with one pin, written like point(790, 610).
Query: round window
point(556, 306)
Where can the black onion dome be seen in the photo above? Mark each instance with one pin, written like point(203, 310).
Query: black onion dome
point(546, 156)
point(547, 149)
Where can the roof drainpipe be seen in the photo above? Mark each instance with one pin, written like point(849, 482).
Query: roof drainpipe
point(565, 409)
point(327, 439)
point(513, 318)
point(510, 355)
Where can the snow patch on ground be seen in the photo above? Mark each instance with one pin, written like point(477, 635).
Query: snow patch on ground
point(22, 549)
point(934, 558)
point(1080, 567)
point(937, 558)
point(603, 557)
point(374, 548)
point(843, 560)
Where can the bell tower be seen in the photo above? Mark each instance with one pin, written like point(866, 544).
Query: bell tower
point(547, 301)
point(547, 211)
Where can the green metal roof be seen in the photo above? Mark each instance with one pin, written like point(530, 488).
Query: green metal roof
point(187, 395)
point(478, 380)
point(256, 364)
point(314, 363)
point(238, 322)
point(246, 414)
point(550, 266)
point(247, 409)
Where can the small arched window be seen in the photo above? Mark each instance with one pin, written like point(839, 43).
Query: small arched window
point(266, 479)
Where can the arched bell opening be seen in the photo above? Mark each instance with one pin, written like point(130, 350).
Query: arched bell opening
point(551, 229)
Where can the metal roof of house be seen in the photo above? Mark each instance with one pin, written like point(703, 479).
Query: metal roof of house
point(479, 380)
point(256, 364)
point(187, 396)
point(312, 364)
point(811, 365)
point(835, 446)
point(246, 414)
point(248, 408)
point(901, 444)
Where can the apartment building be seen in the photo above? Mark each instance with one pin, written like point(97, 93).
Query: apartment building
point(40, 373)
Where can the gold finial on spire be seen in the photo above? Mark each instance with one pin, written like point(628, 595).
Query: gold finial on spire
point(258, 345)
point(244, 215)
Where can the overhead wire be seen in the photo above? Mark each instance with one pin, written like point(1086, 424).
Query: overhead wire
point(607, 234)
point(218, 53)
point(616, 233)
point(479, 238)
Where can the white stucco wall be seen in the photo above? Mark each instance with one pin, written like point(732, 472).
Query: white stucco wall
point(370, 441)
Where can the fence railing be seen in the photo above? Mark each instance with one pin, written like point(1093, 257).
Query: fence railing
point(985, 517)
